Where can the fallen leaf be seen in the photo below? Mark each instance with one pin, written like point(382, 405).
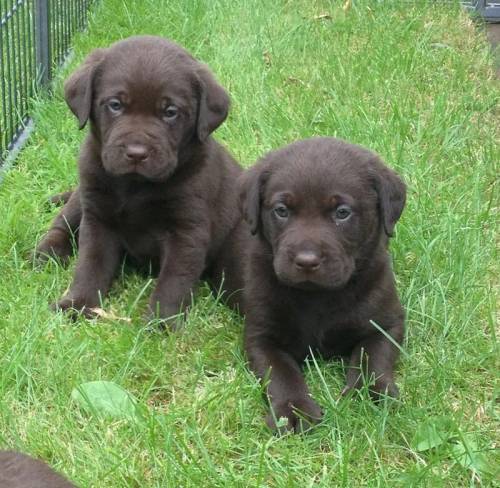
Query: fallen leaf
point(109, 315)
point(107, 399)
point(322, 17)
point(266, 55)
point(295, 81)
point(466, 453)
point(432, 433)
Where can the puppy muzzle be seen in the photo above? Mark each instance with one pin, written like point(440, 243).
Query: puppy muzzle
point(139, 159)
point(312, 269)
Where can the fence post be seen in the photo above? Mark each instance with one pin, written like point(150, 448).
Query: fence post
point(42, 40)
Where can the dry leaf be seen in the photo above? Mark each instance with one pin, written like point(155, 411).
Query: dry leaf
point(292, 80)
point(266, 55)
point(109, 315)
point(323, 16)
point(295, 81)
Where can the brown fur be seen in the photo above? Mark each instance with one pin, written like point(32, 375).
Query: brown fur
point(18, 470)
point(154, 185)
point(310, 278)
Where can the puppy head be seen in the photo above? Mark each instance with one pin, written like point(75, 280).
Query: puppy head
point(324, 206)
point(148, 100)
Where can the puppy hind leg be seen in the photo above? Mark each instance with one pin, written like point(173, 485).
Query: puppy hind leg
point(58, 241)
point(61, 198)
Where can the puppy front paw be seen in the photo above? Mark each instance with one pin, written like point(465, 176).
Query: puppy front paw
point(379, 390)
point(383, 388)
point(297, 415)
point(74, 307)
point(164, 318)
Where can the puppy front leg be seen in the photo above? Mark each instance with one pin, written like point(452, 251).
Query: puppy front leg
point(98, 261)
point(374, 358)
point(179, 273)
point(287, 390)
point(58, 240)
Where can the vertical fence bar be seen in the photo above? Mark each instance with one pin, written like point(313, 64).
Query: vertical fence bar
point(24, 50)
point(42, 39)
point(4, 136)
point(29, 22)
point(19, 62)
point(10, 75)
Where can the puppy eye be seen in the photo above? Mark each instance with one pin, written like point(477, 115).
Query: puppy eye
point(281, 211)
point(115, 106)
point(170, 113)
point(343, 212)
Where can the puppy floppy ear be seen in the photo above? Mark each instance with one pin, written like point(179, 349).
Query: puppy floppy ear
point(214, 104)
point(251, 185)
point(391, 194)
point(78, 89)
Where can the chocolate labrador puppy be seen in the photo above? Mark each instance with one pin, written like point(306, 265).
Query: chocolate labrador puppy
point(309, 268)
point(154, 185)
point(18, 470)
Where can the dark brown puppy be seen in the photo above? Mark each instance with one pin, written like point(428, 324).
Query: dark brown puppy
point(153, 183)
point(18, 470)
point(317, 271)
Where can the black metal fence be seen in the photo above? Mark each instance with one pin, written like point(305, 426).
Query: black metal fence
point(34, 38)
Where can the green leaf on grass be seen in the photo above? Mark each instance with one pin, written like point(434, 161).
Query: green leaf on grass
point(432, 433)
point(107, 399)
point(466, 453)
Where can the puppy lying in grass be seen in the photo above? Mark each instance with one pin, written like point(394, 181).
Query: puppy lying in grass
point(309, 268)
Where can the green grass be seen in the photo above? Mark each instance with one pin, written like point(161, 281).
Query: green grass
point(411, 80)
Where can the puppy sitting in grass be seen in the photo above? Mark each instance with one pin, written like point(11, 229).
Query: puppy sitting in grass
point(154, 185)
point(309, 268)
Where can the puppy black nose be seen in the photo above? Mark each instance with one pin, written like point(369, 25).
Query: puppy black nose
point(307, 261)
point(136, 152)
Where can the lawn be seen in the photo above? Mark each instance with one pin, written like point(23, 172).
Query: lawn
point(411, 80)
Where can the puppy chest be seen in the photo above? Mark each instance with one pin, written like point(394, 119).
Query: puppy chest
point(327, 330)
point(129, 211)
point(135, 217)
point(143, 244)
point(141, 232)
